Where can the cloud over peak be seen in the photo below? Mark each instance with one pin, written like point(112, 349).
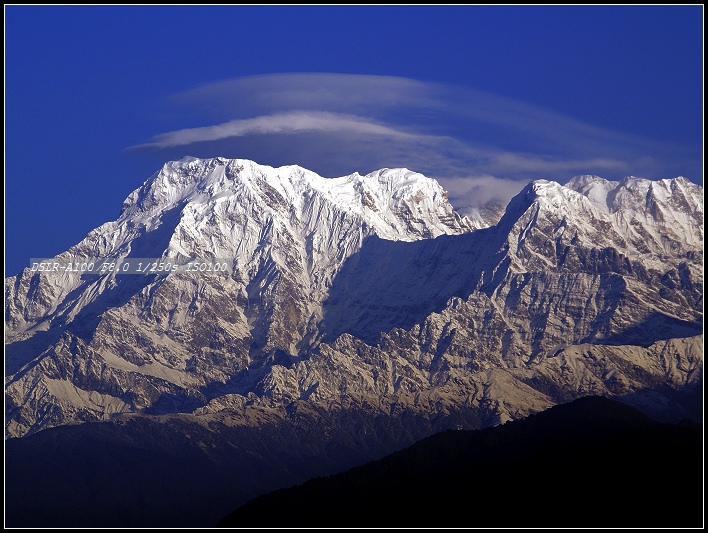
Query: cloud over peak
point(292, 122)
point(336, 124)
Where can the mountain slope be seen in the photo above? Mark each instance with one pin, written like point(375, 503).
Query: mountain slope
point(590, 463)
point(366, 289)
point(182, 470)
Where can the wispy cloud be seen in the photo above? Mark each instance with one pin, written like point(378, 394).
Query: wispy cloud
point(469, 192)
point(337, 93)
point(284, 123)
point(480, 144)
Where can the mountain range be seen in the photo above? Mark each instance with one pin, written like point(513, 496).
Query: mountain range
point(358, 306)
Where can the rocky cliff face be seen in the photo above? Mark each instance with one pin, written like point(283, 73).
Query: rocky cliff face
point(367, 291)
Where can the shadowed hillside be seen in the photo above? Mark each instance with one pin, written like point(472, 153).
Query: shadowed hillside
point(591, 463)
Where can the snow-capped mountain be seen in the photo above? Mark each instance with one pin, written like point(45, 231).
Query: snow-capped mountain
point(363, 290)
point(289, 218)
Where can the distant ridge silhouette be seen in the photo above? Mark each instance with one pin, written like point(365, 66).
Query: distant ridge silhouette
point(593, 462)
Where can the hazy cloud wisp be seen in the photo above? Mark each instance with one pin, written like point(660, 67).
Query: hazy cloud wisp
point(481, 145)
point(284, 123)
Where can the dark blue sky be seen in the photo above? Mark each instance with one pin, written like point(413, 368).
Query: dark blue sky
point(482, 98)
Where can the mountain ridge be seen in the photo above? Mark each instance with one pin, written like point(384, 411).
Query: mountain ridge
point(362, 286)
point(587, 456)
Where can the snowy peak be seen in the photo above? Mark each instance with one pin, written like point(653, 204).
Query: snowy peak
point(605, 227)
point(407, 203)
point(595, 188)
point(638, 194)
point(396, 203)
point(316, 308)
point(668, 209)
point(637, 215)
point(268, 223)
point(544, 195)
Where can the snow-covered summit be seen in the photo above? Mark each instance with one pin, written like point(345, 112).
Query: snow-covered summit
point(397, 204)
point(636, 194)
point(667, 209)
point(368, 287)
point(635, 215)
point(251, 215)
